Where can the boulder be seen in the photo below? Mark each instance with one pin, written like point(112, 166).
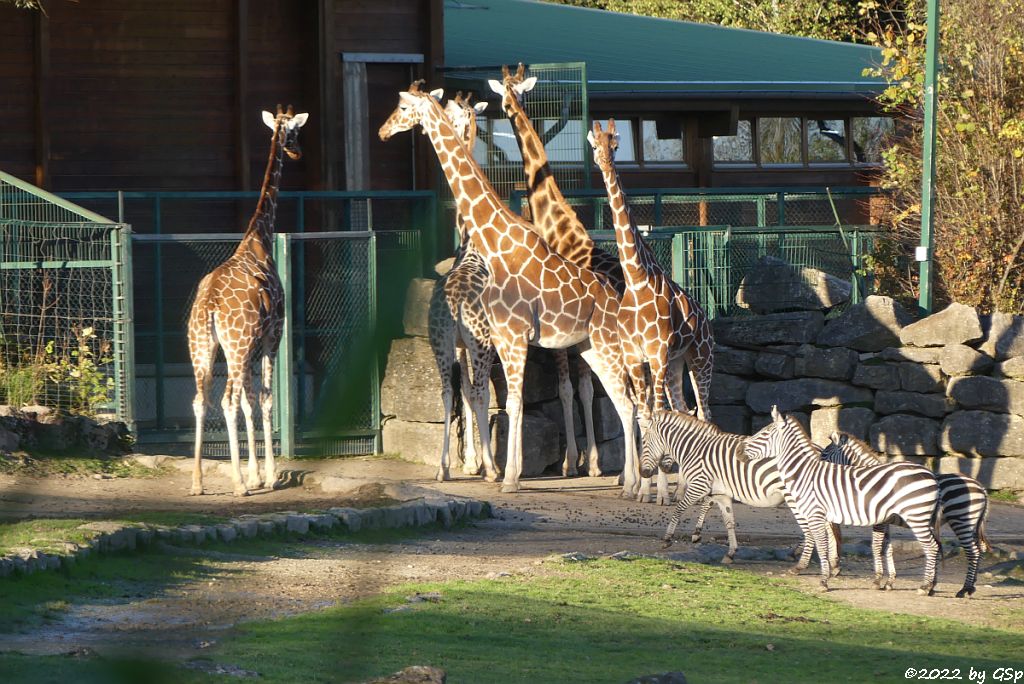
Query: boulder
point(611, 455)
point(540, 376)
point(9, 440)
point(772, 284)
point(419, 442)
point(792, 395)
point(1004, 338)
point(1011, 368)
point(775, 364)
point(540, 442)
point(881, 376)
point(914, 354)
point(982, 433)
point(734, 361)
point(759, 331)
point(734, 419)
point(959, 359)
point(411, 389)
point(728, 389)
point(855, 421)
point(905, 435)
point(920, 377)
point(992, 473)
point(956, 324)
point(869, 326)
point(416, 316)
point(836, 363)
point(931, 405)
point(607, 424)
point(416, 674)
point(990, 394)
point(443, 267)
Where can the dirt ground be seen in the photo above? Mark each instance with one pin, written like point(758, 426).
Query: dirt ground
point(551, 516)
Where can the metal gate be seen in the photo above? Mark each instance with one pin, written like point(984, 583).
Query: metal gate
point(65, 305)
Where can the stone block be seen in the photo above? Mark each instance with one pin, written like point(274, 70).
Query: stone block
point(411, 389)
point(728, 389)
point(772, 284)
point(540, 377)
point(869, 326)
point(540, 442)
point(775, 364)
point(780, 328)
point(611, 455)
point(836, 363)
point(855, 421)
point(227, 533)
point(921, 377)
point(905, 435)
point(983, 433)
point(297, 524)
point(956, 324)
point(931, 405)
point(607, 424)
point(734, 419)
point(880, 376)
point(734, 361)
point(1004, 337)
point(959, 359)
point(419, 442)
point(801, 393)
point(416, 316)
point(992, 473)
point(990, 394)
point(1011, 368)
point(914, 354)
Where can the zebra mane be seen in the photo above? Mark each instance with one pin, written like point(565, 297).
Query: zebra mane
point(851, 449)
point(685, 421)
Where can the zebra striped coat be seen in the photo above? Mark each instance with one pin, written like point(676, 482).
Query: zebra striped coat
point(963, 503)
point(823, 492)
point(713, 468)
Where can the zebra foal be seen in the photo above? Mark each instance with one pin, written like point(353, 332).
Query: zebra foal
point(963, 503)
point(824, 493)
point(713, 469)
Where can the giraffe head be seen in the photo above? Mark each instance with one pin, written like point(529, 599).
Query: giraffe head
point(288, 123)
point(463, 117)
point(512, 87)
point(605, 143)
point(413, 105)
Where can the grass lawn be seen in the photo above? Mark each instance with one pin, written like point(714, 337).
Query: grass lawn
point(597, 621)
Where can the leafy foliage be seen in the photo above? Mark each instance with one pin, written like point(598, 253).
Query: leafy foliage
point(979, 154)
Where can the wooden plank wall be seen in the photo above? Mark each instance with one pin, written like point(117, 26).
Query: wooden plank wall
point(17, 106)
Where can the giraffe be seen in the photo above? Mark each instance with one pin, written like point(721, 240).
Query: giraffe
point(239, 306)
point(457, 323)
point(658, 322)
point(556, 222)
point(534, 296)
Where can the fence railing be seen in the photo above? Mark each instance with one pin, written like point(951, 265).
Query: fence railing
point(65, 304)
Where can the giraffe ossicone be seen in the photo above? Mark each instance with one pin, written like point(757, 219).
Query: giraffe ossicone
point(239, 307)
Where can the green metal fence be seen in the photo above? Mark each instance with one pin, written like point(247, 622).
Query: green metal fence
point(65, 304)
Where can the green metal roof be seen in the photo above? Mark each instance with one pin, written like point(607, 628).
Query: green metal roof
point(625, 53)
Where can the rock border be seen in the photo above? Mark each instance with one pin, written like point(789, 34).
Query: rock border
point(113, 537)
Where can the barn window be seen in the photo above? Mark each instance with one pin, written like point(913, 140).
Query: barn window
point(779, 140)
point(665, 146)
point(826, 141)
point(870, 136)
point(735, 149)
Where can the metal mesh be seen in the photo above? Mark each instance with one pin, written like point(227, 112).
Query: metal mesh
point(63, 309)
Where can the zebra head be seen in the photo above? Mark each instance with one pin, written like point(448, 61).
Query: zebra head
point(846, 449)
point(765, 442)
point(655, 453)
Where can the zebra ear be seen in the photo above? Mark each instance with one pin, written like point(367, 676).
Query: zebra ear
point(835, 437)
point(776, 416)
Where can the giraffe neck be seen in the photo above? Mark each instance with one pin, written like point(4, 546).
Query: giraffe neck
point(553, 217)
point(477, 203)
point(633, 252)
point(259, 235)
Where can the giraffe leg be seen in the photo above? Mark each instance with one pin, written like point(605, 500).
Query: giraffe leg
point(701, 365)
point(512, 353)
point(267, 416)
point(658, 373)
point(676, 397)
point(203, 350)
point(482, 354)
point(607, 364)
point(229, 403)
point(586, 392)
point(471, 459)
point(565, 396)
point(252, 480)
point(442, 335)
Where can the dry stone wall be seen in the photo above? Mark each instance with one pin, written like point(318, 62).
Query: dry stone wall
point(414, 415)
point(946, 391)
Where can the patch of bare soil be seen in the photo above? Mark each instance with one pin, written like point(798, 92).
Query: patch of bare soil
point(551, 516)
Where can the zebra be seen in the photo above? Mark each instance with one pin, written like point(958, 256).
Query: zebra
point(713, 469)
point(963, 503)
point(824, 492)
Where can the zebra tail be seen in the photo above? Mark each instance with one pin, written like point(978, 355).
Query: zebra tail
point(979, 534)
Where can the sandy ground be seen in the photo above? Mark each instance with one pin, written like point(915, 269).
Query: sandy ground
point(551, 516)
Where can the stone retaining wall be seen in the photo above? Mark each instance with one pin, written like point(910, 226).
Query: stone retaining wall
point(112, 536)
point(947, 390)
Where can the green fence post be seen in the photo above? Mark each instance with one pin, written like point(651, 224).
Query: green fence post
point(761, 212)
point(127, 325)
point(780, 202)
point(285, 362)
point(855, 258)
point(158, 306)
point(371, 262)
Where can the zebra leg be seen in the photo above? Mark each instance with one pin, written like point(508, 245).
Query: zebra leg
point(880, 546)
point(694, 492)
point(819, 532)
point(835, 538)
point(705, 505)
point(725, 505)
point(926, 536)
point(969, 541)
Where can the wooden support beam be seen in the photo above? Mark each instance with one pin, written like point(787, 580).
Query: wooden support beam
point(243, 160)
point(328, 58)
point(42, 86)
